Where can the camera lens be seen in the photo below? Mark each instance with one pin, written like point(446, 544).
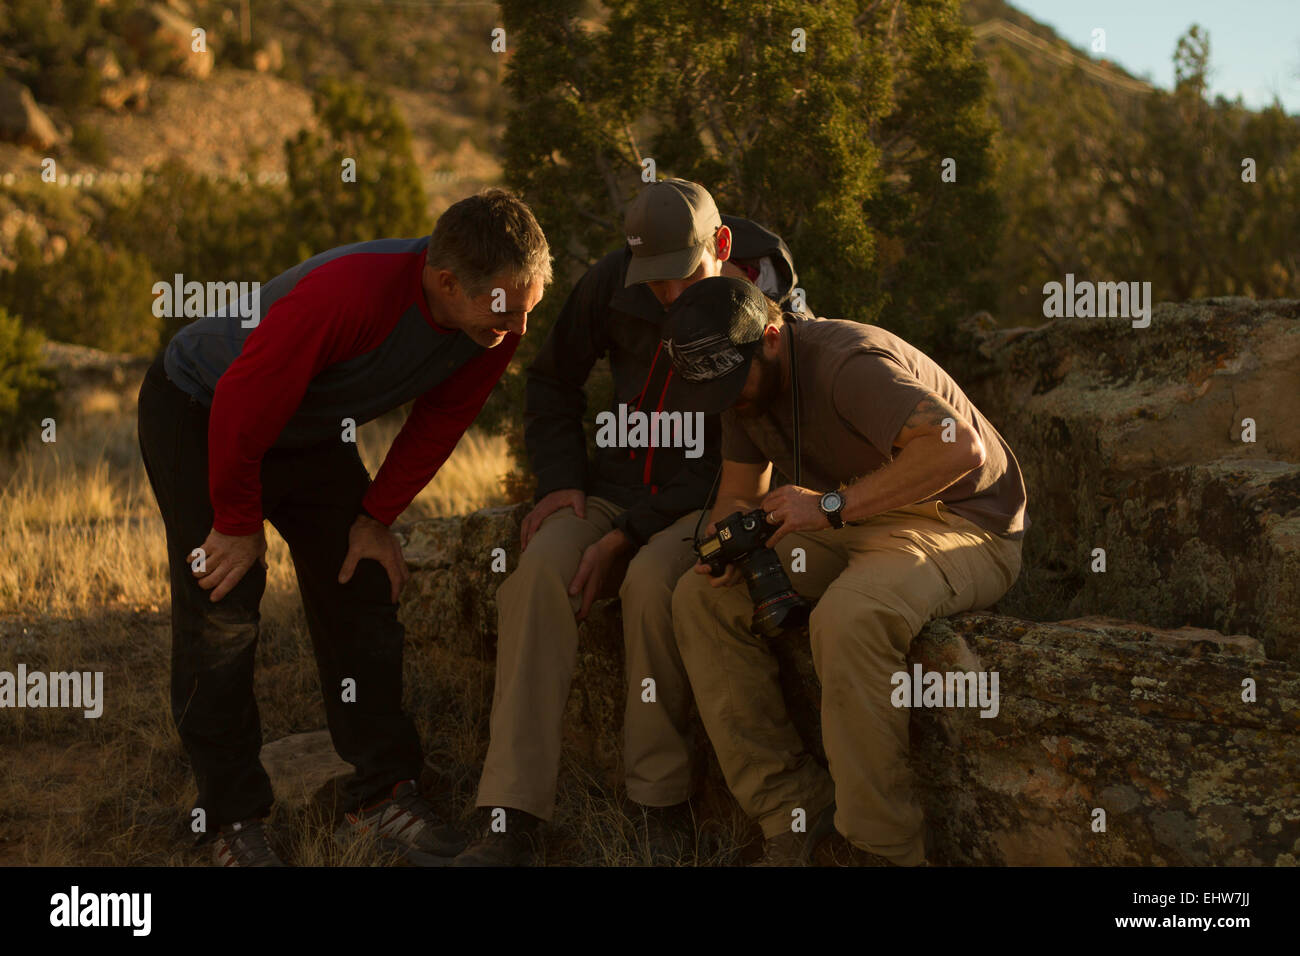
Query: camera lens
point(777, 606)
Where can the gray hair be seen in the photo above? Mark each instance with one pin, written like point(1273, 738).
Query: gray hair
point(481, 237)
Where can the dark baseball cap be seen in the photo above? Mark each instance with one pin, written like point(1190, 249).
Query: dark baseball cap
point(713, 331)
point(670, 225)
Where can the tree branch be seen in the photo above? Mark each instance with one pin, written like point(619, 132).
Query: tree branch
point(611, 184)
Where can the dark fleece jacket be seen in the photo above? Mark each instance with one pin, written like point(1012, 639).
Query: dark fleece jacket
point(603, 318)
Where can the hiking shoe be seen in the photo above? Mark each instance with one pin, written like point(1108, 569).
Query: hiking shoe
point(244, 844)
point(516, 845)
point(667, 833)
point(796, 849)
point(404, 823)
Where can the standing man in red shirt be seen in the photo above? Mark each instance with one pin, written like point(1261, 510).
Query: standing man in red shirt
point(244, 420)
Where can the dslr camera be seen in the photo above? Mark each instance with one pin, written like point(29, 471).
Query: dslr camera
point(739, 541)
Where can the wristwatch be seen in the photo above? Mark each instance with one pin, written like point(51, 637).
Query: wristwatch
point(832, 504)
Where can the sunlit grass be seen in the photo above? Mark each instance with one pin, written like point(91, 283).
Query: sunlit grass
point(81, 529)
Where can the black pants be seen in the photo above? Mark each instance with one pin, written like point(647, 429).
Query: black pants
point(311, 496)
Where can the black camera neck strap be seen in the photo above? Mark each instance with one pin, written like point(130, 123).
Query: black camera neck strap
point(794, 400)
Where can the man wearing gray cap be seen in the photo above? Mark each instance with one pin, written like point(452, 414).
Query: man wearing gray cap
point(910, 506)
point(632, 505)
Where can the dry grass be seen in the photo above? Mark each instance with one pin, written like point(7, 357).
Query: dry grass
point(83, 587)
point(81, 529)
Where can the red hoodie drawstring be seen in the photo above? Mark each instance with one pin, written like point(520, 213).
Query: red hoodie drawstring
point(640, 396)
point(650, 454)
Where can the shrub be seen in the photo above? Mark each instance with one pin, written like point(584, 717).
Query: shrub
point(387, 198)
point(88, 142)
point(93, 295)
point(27, 388)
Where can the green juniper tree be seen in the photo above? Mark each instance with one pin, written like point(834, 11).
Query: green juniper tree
point(1170, 187)
point(829, 123)
point(1198, 225)
point(94, 294)
point(377, 194)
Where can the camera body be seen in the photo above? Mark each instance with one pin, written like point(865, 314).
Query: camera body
point(739, 540)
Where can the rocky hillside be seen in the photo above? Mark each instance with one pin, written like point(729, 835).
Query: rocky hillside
point(228, 112)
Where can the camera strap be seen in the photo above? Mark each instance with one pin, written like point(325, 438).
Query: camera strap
point(708, 500)
point(794, 401)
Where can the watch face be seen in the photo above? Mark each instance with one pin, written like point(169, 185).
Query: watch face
point(832, 501)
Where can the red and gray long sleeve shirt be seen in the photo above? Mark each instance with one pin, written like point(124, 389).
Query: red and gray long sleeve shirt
point(347, 334)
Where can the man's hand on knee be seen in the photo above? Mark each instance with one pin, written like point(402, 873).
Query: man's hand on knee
point(226, 559)
point(594, 568)
point(564, 498)
point(369, 538)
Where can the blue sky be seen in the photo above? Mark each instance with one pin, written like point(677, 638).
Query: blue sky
point(1254, 44)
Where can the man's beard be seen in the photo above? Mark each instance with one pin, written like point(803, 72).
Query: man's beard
point(769, 386)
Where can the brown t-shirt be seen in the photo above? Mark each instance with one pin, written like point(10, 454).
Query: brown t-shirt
point(858, 385)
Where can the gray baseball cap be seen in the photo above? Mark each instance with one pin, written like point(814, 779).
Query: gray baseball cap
point(670, 225)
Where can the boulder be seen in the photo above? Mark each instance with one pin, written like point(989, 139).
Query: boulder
point(128, 93)
point(104, 63)
point(269, 58)
point(95, 382)
point(1113, 745)
point(22, 121)
point(1132, 442)
point(453, 563)
point(159, 34)
point(301, 766)
point(1147, 724)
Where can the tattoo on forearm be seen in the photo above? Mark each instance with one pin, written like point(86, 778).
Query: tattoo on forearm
point(932, 411)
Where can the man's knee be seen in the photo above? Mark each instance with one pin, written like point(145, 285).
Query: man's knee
point(369, 585)
point(692, 596)
point(533, 575)
point(540, 581)
point(549, 552)
point(647, 583)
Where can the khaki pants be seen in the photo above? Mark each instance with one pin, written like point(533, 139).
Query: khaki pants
point(537, 647)
point(878, 583)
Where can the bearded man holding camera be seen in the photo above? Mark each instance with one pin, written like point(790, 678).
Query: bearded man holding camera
point(910, 506)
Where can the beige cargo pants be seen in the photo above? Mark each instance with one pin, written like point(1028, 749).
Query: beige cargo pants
point(878, 582)
point(537, 647)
